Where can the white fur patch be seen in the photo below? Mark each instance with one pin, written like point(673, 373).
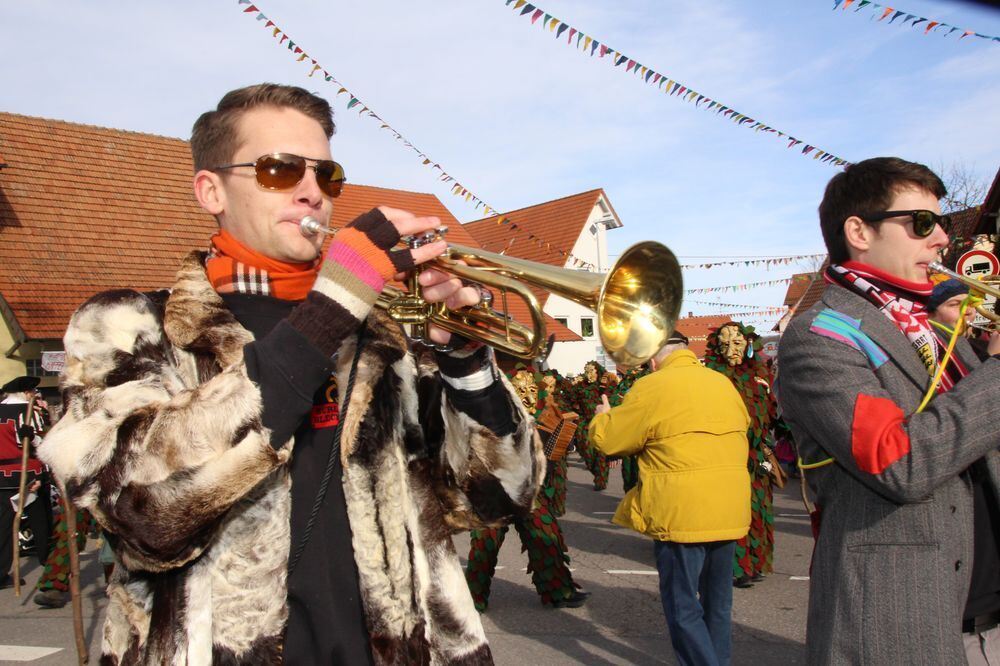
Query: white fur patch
point(199, 616)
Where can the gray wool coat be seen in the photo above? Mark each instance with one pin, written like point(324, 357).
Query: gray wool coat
point(892, 564)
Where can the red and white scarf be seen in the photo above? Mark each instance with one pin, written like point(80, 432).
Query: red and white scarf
point(904, 304)
point(233, 267)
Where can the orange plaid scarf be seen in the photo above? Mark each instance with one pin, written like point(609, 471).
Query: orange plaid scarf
point(233, 267)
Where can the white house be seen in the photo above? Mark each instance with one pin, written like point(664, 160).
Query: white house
point(570, 232)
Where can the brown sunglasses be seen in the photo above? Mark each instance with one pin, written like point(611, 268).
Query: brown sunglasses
point(283, 171)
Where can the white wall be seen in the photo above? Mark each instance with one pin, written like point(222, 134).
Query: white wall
point(570, 357)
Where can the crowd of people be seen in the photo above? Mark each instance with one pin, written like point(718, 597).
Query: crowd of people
point(277, 471)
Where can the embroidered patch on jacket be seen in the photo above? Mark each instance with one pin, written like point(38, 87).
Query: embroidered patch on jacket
point(847, 330)
point(325, 411)
point(877, 436)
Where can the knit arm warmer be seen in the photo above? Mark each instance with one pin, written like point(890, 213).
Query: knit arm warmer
point(358, 264)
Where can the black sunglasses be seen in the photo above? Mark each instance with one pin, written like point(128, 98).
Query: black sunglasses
point(283, 171)
point(923, 221)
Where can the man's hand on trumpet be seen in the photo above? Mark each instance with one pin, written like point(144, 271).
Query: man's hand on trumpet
point(437, 286)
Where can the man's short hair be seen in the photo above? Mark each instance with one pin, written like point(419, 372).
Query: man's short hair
point(864, 189)
point(214, 137)
point(677, 337)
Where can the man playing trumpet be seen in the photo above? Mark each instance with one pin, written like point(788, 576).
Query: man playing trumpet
point(278, 474)
point(902, 456)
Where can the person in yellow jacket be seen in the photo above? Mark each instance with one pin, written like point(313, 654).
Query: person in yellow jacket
point(688, 426)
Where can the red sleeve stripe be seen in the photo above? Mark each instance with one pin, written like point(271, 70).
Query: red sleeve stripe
point(877, 436)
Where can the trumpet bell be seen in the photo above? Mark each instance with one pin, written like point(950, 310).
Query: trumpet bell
point(639, 302)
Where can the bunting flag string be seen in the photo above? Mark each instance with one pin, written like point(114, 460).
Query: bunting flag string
point(881, 12)
point(748, 285)
point(776, 261)
point(663, 82)
point(763, 308)
point(755, 314)
point(355, 102)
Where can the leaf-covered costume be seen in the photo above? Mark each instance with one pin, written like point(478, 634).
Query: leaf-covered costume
point(55, 575)
point(754, 552)
point(541, 537)
point(584, 397)
point(630, 464)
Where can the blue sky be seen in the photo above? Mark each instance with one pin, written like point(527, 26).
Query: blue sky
point(520, 117)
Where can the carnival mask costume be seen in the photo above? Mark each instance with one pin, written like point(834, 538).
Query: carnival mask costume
point(734, 350)
point(541, 536)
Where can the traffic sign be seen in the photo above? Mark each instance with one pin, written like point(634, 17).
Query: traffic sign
point(977, 262)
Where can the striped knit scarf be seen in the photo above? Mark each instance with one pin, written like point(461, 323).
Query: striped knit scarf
point(233, 267)
point(904, 304)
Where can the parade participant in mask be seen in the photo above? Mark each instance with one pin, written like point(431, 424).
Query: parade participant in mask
point(584, 399)
point(541, 537)
point(733, 349)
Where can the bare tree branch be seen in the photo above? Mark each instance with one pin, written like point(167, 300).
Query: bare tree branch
point(965, 189)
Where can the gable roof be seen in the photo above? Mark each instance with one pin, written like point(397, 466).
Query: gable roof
point(697, 330)
point(965, 224)
point(811, 295)
point(798, 286)
point(990, 210)
point(84, 209)
point(555, 224)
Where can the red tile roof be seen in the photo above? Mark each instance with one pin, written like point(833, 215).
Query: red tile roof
point(697, 330)
point(85, 208)
point(812, 294)
point(800, 282)
point(555, 224)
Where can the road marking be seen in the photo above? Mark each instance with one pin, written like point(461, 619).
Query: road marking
point(794, 515)
point(632, 572)
point(798, 578)
point(25, 652)
point(604, 513)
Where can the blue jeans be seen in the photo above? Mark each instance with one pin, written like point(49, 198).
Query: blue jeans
point(696, 589)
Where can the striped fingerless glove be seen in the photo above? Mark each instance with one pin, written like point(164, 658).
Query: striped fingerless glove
point(358, 264)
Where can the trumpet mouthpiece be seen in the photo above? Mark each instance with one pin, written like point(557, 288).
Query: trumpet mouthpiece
point(310, 226)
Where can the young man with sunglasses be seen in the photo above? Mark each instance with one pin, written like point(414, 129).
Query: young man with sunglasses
point(908, 535)
point(278, 473)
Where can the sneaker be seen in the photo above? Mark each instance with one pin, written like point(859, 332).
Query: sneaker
point(575, 600)
point(743, 582)
point(51, 598)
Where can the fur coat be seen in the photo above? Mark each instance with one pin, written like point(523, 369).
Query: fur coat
point(162, 441)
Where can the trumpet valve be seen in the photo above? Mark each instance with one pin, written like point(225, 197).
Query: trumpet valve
point(417, 240)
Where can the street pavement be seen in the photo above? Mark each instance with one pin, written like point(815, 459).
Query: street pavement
point(621, 623)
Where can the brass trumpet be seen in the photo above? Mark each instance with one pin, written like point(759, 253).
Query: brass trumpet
point(981, 286)
point(637, 303)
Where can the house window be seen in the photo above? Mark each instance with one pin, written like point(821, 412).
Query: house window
point(562, 320)
point(33, 368)
point(587, 327)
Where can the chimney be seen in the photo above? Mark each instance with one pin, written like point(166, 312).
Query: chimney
point(690, 314)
